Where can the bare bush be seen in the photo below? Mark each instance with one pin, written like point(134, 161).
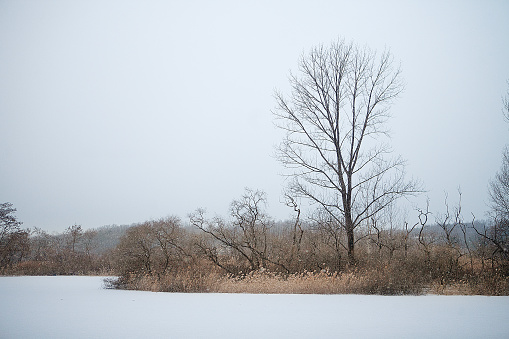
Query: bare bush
point(245, 237)
point(152, 248)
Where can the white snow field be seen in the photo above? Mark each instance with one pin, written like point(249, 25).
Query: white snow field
point(80, 307)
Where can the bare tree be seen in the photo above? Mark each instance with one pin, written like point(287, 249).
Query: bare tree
point(334, 121)
point(498, 234)
point(171, 240)
point(73, 235)
point(448, 222)
point(288, 249)
point(387, 232)
point(88, 241)
point(332, 234)
point(499, 189)
point(152, 247)
point(246, 235)
point(408, 230)
point(14, 243)
point(425, 241)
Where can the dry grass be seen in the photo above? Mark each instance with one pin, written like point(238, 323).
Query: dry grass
point(322, 282)
point(49, 267)
point(385, 281)
point(265, 282)
point(456, 288)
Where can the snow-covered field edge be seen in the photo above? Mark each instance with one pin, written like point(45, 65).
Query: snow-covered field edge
point(80, 307)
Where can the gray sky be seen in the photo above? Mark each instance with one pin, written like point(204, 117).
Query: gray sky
point(113, 112)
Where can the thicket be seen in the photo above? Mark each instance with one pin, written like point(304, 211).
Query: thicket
point(249, 252)
point(73, 252)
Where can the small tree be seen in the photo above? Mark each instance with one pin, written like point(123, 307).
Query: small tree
point(73, 235)
point(14, 244)
point(244, 236)
point(498, 234)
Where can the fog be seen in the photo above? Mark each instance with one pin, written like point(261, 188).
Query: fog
point(113, 112)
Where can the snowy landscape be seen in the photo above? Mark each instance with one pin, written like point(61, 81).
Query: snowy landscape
point(226, 169)
point(80, 307)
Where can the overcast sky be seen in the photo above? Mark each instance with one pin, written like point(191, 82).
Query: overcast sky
point(114, 112)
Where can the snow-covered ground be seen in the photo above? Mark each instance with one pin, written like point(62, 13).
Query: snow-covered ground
point(79, 307)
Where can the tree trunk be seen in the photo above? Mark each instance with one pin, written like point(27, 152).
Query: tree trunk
point(350, 238)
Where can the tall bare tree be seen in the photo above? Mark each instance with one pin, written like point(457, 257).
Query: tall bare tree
point(334, 120)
